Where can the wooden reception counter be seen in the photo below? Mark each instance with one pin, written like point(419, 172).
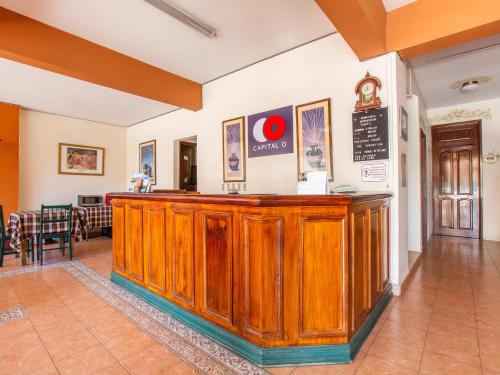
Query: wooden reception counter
point(279, 279)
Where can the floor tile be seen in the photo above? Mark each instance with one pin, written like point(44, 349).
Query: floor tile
point(435, 364)
point(407, 356)
point(89, 361)
point(373, 365)
point(318, 370)
point(281, 370)
point(152, 360)
point(25, 361)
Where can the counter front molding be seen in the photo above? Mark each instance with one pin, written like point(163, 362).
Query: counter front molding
point(280, 280)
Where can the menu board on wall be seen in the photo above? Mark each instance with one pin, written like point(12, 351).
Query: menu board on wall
point(370, 135)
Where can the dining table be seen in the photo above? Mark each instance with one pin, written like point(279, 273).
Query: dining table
point(95, 216)
point(25, 225)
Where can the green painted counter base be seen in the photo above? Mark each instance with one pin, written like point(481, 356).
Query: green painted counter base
point(265, 357)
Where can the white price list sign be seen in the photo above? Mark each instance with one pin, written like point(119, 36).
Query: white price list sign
point(374, 172)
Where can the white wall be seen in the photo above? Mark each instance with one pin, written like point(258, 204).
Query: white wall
point(490, 172)
point(326, 68)
point(40, 134)
point(413, 178)
point(399, 227)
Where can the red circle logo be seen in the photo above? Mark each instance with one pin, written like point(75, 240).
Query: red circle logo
point(274, 128)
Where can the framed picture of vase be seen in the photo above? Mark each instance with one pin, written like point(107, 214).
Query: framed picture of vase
point(314, 138)
point(147, 160)
point(233, 150)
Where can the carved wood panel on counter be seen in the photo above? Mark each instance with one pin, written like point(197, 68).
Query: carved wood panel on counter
point(134, 252)
point(358, 259)
point(118, 241)
point(155, 225)
point(217, 266)
point(322, 304)
point(183, 256)
point(277, 276)
point(262, 280)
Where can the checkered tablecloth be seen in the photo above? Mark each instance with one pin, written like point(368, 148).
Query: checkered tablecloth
point(23, 225)
point(95, 217)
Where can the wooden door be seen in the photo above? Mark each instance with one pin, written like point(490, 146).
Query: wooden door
point(423, 186)
point(187, 166)
point(456, 179)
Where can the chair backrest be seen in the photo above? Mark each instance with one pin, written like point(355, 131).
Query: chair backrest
point(2, 229)
point(59, 215)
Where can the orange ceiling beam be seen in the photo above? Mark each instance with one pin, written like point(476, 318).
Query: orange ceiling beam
point(429, 25)
point(30, 42)
point(362, 23)
point(414, 29)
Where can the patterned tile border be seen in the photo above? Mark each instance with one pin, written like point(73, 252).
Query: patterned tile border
point(202, 353)
point(14, 313)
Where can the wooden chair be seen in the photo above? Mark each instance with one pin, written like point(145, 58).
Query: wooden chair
point(61, 215)
point(5, 248)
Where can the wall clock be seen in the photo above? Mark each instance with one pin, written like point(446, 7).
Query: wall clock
point(366, 89)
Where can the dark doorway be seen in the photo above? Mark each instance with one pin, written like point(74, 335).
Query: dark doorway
point(187, 166)
point(423, 186)
point(456, 149)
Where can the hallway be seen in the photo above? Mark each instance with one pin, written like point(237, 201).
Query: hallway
point(447, 321)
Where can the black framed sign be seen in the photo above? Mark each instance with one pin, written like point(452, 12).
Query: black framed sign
point(370, 135)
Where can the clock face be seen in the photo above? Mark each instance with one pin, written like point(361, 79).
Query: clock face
point(367, 88)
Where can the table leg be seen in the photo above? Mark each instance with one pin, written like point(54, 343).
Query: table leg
point(73, 246)
point(23, 253)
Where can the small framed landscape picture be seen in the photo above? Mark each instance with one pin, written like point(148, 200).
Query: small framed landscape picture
point(233, 150)
point(147, 160)
point(82, 160)
point(314, 138)
point(403, 124)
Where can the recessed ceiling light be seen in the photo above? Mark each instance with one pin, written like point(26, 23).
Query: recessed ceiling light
point(470, 84)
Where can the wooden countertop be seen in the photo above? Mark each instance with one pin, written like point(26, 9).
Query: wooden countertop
point(256, 200)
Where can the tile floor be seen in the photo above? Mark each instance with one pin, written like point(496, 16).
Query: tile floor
point(446, 322)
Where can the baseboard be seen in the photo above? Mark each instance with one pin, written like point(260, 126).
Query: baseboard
point(397, 289)
point(266, 357)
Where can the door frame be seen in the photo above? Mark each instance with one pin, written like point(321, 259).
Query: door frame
point(185, 142)
point(423, 187)
point(435, 175)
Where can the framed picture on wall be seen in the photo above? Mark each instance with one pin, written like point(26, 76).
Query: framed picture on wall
point(314, 138)
point(81, 160)
point(147, 160)
point(403, 170)
point(233, 150)
point(403, 124)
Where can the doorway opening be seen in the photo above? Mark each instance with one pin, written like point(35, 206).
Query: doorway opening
point(186, 174)
point(456, 186)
